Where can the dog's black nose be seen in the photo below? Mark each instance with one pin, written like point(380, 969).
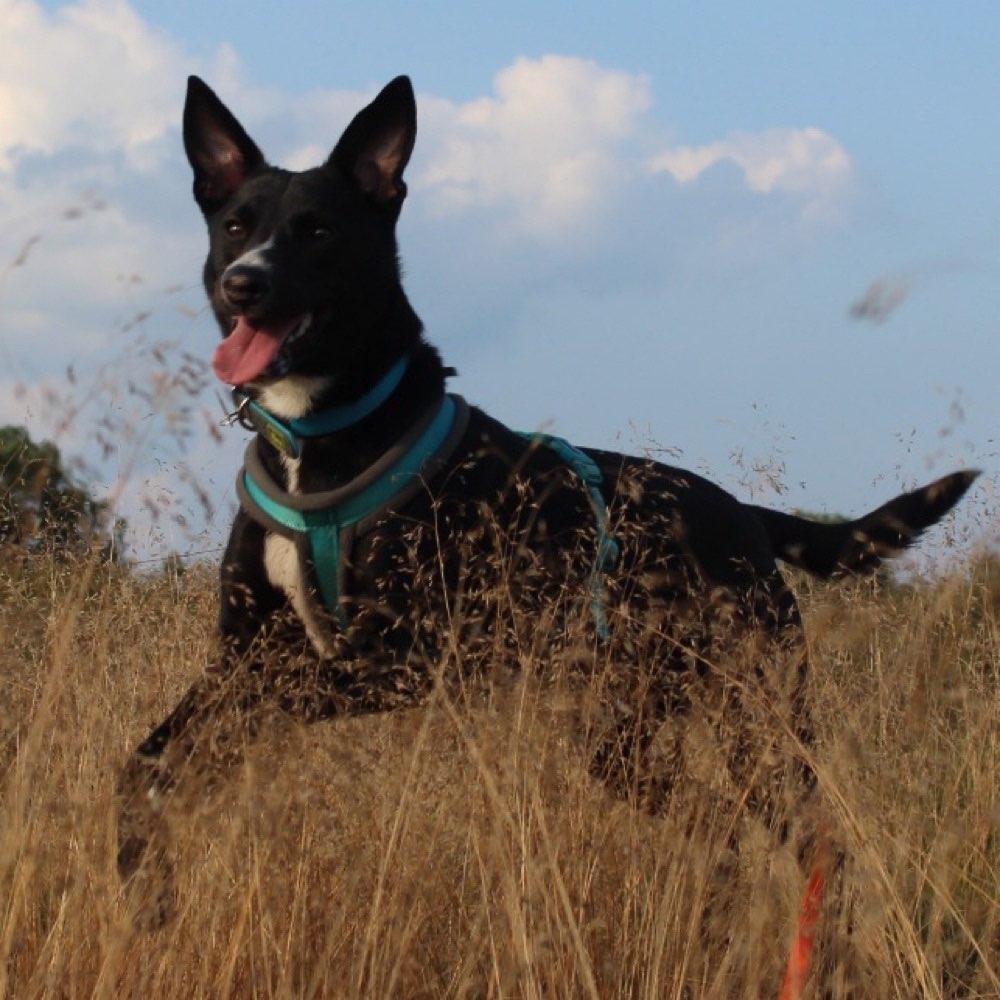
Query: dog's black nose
point(244, 287)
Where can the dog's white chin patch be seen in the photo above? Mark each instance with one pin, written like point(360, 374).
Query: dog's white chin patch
point(292, 397)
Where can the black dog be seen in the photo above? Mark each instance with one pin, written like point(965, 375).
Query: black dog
point(383, 521)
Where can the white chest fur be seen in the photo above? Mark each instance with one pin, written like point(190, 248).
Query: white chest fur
point(284, 571)
point(291, 397)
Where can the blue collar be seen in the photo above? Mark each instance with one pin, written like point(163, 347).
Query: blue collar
point(286, 435)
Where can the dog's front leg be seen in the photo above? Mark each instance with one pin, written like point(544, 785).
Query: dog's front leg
point(204, 734)
point(213, 714)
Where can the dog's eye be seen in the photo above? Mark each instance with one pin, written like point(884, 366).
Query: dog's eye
point(320, 232)
point(234, 229)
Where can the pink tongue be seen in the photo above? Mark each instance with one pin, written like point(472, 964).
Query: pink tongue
point(249, 350)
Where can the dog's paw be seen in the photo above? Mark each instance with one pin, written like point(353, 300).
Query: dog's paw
point(143, 860)
point(150, 902)
point(132, 852)
point(148, 883)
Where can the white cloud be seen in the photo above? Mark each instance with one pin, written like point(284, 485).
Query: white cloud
point(546, 145)
point(551, 148)
point(91, 75)
point(89, 108)
point(91, 162)
point(807, 163)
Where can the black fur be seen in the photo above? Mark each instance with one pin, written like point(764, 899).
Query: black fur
point(504, 525)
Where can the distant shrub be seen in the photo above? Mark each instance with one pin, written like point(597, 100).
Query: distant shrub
point(42, 508)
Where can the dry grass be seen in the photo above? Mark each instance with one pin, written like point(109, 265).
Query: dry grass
point(464, 851)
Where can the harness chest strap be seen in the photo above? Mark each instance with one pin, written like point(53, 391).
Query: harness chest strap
point(608, 549)
point(324, 524)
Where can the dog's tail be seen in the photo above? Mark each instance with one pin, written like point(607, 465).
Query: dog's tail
point(833, 549)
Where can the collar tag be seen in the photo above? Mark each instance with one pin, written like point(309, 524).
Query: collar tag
point(251, 415)
point(280, 437)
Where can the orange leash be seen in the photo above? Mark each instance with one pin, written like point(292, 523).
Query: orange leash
point(805, 935)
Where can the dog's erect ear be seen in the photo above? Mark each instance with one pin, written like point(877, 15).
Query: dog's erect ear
point(376, 146)
point(217, 147)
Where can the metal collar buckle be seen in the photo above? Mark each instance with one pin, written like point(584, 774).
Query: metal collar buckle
point(241, 415)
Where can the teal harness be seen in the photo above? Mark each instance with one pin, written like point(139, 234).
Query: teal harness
point(608, 550)
point(324, 525)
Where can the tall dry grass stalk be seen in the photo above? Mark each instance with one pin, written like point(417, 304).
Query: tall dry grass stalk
point(462, 850)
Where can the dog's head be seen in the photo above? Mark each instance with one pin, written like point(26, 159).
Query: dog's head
point(302, 271)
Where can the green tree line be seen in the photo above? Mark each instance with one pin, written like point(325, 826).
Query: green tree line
point(42, 508)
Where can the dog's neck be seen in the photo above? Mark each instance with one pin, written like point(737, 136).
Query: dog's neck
point(294, 396)
point(329, 460)
point(286, 412)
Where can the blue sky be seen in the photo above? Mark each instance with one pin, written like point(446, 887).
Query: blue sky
point(639, 225)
